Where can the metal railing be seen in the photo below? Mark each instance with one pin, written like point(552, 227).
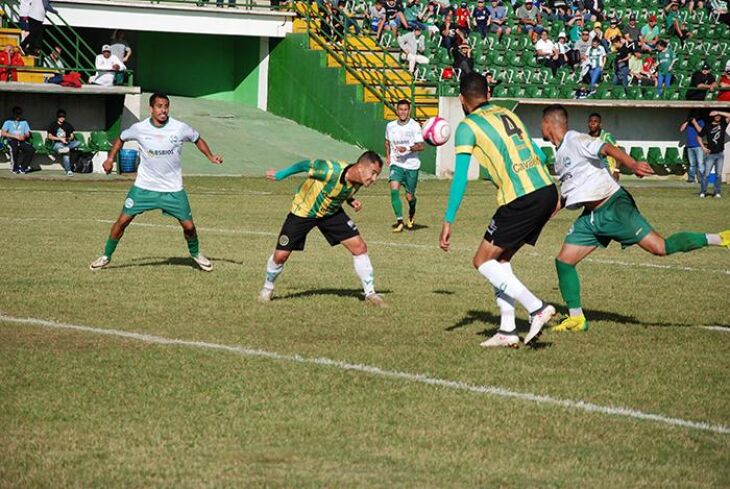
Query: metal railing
point(52, 71)
point(59, 33)
point(356, 57)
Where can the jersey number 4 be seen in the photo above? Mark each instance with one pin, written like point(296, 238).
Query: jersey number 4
point(515, 133)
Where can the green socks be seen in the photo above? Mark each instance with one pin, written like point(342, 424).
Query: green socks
point(396, 203)
point(684, 242)
point(110, 246)
point(569, 284)
point(193, 246)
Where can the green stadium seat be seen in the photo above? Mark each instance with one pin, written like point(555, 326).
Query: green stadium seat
point(38, 143)
point(674, 162)
point(533, 92)
point(618, 93)
point(635, 93)
point(100, 141)
point(550, 92)
point(602, 92)
point(656, 160)
point(500, 90)
point(637, 153)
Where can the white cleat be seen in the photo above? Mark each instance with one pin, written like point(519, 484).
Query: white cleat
point(375, 300)
point(265, 295)
point(507, 340)
point(537, 321)
point(99, 263)
point(204, 264)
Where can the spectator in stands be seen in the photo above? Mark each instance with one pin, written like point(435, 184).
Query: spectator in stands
point(650, 34)
point(673, 24)
point(576, 24)
point(107, 65)
point(702, 82)
point(412, 44)
point(665, 64)
point(342, 20)
point(480, 17)
point(498, 19)
point(583, 44)
point(376, 15)
point(463, 18)
point(597, 33)
point(560, 10)
point(635, 68)
point(54, 61)
point(632, 30)
point(491, 83)
point(463, 60)
point(724, 94)
point(120, 47)
point(566, 54)
point(23, 10)
point(12, 57)
point(412, 13)
point(596, 62)
point(36, 16)
point(547, 53)
point(612, 31)
point(428, 18)
point(17, 132)
point(394, 17)
point(448, 32)
point(529, 20)
point(61, 133)
point(621, 63)
point(695, 155)
point(596, 9)
point(5, 56)
point(714, 131)
point(721, 10)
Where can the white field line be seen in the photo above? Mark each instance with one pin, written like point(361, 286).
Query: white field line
point(717, 328)
point(389, 244)
point(379, 372)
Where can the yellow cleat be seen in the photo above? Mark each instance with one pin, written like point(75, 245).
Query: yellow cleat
point(572, 323)
point(398, 227)
point(725, 237)
point(410, 223)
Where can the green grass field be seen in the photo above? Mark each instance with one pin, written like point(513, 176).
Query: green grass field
point(83, 409)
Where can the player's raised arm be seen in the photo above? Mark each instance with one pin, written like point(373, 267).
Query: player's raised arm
point(109, 162)
point(299, 167)
point(639, 168)
point(205, 149)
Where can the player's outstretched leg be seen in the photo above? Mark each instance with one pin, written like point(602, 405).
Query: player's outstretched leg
point(682, 242)
point(364, 269)
point(397, 206)
point(411, 210)
point(112, 241)
point(191, 238)
point(274, 267)
point(569, 284)
point(507, 333)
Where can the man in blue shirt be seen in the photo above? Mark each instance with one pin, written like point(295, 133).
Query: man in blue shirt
point(481, 18)
point(17, 133)
point(696, 156)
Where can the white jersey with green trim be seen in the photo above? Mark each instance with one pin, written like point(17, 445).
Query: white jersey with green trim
point(406, 135)
point(582, 170)
point(160, 167)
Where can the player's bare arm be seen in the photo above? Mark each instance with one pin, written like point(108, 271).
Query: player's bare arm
point(639, 168)
point(205, 149)
point(109, 162)
point(387, 152)
point(355, 204)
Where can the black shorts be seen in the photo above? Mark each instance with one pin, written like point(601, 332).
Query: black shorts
point(522, 220)
point(335, 228)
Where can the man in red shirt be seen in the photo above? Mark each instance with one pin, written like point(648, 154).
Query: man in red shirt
point(463, 17)
point(724, 94)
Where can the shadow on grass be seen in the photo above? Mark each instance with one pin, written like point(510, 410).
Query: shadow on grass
point(328, 291)
point(417, 227)
point(179, 261)
point(443, 292)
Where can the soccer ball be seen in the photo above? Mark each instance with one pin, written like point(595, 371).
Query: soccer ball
point(436, 131)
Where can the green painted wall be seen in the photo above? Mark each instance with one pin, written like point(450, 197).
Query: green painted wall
point(302, 88)
point(196, 65)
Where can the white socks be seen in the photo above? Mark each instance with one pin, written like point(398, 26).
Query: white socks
point(501, 277)
point(364, 270)
point(714, 239)
point(272, 271)
point(506, 306)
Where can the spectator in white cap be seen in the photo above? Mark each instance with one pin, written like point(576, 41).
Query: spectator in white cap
point(107, 65)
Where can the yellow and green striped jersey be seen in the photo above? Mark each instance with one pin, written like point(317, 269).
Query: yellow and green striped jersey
point(324, 191)
point(498, 139)
point(607, 137)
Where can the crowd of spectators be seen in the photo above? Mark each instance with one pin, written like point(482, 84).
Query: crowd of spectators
point(639, 48)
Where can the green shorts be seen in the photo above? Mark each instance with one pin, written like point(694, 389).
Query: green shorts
point(618, 219)
point(407, 178)
point(174, 204)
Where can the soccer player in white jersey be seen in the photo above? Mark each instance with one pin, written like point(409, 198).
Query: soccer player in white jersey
point(609, 211)
point(403, 142)
point(159, 183)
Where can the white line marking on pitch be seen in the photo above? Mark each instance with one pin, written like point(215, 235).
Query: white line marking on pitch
point(717, 328)
point(382, 243)
point(379, 372)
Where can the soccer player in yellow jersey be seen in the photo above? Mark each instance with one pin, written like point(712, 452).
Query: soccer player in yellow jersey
point(526, 195)
point(318, 203)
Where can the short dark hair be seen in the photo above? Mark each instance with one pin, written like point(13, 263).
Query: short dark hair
point(157, 95)
point(662, 43)
point(17, 111)
point(372, 157)
point(403, 102)
point(473, 86)
point(556, 111)
point(60, 113)
point(595, 114)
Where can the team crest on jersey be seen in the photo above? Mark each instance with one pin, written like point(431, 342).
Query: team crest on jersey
point(174, 139)
point(352, 225)
point(566, 162)
point(283, 240)
point(129, 203)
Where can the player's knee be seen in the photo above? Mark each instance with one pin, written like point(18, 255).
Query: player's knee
point(409, 197)
point(477, 261)
point(658, 248)
point(280, 257)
